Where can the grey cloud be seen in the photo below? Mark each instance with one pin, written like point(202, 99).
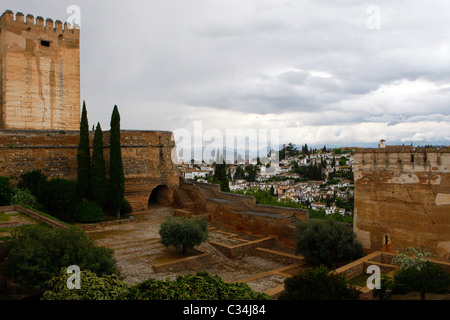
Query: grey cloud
point(252, 57)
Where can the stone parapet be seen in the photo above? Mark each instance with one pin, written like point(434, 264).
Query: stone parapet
point(146, 157)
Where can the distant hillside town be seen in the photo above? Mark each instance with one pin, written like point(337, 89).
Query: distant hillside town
point(318, 179)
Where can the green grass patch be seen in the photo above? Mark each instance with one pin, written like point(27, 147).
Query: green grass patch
point(361, 280)
point(4, 217)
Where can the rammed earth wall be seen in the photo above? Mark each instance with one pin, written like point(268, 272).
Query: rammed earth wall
point(146, 158)
point(39, 73)
point(402, 199)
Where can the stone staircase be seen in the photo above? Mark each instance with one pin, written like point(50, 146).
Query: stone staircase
point(293, 219)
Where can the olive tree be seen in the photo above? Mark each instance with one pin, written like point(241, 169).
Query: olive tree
point(182, 232)
point(326, 242)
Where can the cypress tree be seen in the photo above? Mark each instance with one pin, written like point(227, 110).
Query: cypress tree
point(99, 187)
point(83, 157)
point(220, 175)
point(116, 175)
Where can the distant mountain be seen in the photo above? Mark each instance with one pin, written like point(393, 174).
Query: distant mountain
point(230, 155)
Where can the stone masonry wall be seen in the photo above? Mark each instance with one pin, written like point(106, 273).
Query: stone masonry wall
point(146, 158)
point(402, 198)
point(39, 73)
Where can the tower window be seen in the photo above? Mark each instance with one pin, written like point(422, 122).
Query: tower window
point(45, 43)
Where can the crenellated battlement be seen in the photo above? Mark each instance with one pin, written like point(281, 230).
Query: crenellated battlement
point(402, 198)
point(39, 73)
point(38, 24)
point(403, 159)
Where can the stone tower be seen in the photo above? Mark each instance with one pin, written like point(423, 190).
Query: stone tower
point(39, 74)
point(402, 198)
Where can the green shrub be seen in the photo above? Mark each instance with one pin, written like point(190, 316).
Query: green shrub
point(59, 198)
point(326, 242)
point(411, 258)
point(429, 278)
point(24, 198)
point(33, 181)
point(93, 287)
point(318, 284)
point(36, 253)
point(182, 232)
point(200, 286)
point(126, 207)
point(88, 211)
point(386, 286)
point(5, 191)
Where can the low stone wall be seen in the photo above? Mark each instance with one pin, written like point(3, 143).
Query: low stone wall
point(242, 214)
point(244, 249)
point(97, 225)
point(194, 263)
point(262, 225)
point(280, 257)
point(352, 269)
point(35, 215)
point(248, 201)
point(300, 214)
point(382, 257)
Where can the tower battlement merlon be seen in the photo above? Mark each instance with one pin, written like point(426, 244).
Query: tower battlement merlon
point(34, 49)
point(39, 24)
point(399, 159)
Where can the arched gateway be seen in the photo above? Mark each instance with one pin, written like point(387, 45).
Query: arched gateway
point(161, 195)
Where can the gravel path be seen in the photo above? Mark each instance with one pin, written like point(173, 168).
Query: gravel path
point(136, 248)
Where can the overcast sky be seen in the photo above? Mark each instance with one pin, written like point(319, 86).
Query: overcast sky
point(346, 72)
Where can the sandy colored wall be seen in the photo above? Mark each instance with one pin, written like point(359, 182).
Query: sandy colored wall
point(402, 198)
point(146, 158)
point(40, 74)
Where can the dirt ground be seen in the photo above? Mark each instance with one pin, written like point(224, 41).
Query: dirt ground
point(136, 248)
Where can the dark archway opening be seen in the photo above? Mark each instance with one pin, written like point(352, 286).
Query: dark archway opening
point(159, 196)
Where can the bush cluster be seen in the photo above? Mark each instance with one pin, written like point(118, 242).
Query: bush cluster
point(35, 253)
point(88, 211)
point(94, 287)
point(24, 198)
point(57, 197)
point(200, 286)
point(318, 284)
point(5, 191)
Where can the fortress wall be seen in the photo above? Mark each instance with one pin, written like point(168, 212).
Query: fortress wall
point(402, 199)
point(146, 158)
point(40, 73)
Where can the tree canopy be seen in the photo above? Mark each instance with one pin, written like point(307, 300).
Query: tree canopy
point(99, 184)
point(326, 242)
point(83, 157)
point(182, 232)
point(116, 174)
point(37, 253)
point(318, 284)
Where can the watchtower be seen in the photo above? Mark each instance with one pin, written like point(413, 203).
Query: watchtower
point(39, 73)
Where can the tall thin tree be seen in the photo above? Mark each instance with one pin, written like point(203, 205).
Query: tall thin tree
point(83, 157)
point(116, 175)
point(99, 185)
